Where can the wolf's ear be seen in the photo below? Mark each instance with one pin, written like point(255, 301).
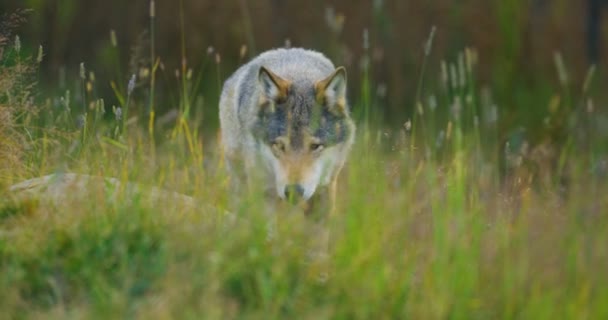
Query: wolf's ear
point(331, 91)
point(273, 86)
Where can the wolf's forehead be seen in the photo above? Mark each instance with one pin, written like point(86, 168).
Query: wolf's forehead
point(299, 106)
point(299, 118)
point(291, 120)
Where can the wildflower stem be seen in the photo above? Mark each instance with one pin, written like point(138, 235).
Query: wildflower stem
point(219, 74)
point(153, 66)
point(184, 94)
point(84, 104)
point(248, 26)
point(418, 102)
point(365, 85)
point(125, 114)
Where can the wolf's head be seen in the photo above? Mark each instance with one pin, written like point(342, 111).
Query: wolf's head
point(304, 130)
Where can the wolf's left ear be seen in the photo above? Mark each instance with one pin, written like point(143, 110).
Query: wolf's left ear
point(273, 86)
point(331, 91)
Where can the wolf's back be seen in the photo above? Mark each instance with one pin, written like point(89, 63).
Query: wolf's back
point(241, 91)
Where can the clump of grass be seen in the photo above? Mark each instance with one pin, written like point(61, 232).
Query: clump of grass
point(10, 146)
point(14, 208)
point(90, 258)
point(17, 88)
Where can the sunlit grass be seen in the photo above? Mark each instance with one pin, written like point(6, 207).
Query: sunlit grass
point(418, 238)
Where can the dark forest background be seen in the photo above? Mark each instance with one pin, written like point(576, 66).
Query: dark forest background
point(516, 42)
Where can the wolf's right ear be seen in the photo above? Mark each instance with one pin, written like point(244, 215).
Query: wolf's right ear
point(274, 87)
point(331, 92)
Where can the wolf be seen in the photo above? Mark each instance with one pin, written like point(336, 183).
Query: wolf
point(285, 122)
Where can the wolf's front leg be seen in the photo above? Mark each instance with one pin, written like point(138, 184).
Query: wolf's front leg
point(320, 211)
point(319, 251)
point(333, 189)
point(236, 173)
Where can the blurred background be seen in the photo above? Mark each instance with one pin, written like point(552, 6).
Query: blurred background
point(381, 42)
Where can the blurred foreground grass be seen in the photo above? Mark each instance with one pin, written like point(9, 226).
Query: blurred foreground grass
point(413, 238)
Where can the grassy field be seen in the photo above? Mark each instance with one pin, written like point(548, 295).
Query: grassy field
point(446, 217)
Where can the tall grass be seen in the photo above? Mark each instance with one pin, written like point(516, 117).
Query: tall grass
point(442, 222)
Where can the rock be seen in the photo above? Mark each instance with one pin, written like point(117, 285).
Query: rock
point(61, 187)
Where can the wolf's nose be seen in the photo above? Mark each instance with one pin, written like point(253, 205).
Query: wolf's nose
point(294, 192)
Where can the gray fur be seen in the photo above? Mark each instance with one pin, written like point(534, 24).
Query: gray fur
point(247, 128)
point(241, 93)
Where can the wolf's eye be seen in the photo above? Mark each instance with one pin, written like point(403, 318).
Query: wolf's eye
point(316, 146)
point(278, 146)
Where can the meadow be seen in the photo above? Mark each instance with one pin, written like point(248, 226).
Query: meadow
point(444, 216)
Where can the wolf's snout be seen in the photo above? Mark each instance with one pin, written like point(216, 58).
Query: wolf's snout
point(294, 192)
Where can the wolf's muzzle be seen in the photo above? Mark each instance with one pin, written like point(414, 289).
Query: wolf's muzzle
point(294, 192)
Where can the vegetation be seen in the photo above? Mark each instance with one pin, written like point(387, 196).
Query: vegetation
point(462, 212)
